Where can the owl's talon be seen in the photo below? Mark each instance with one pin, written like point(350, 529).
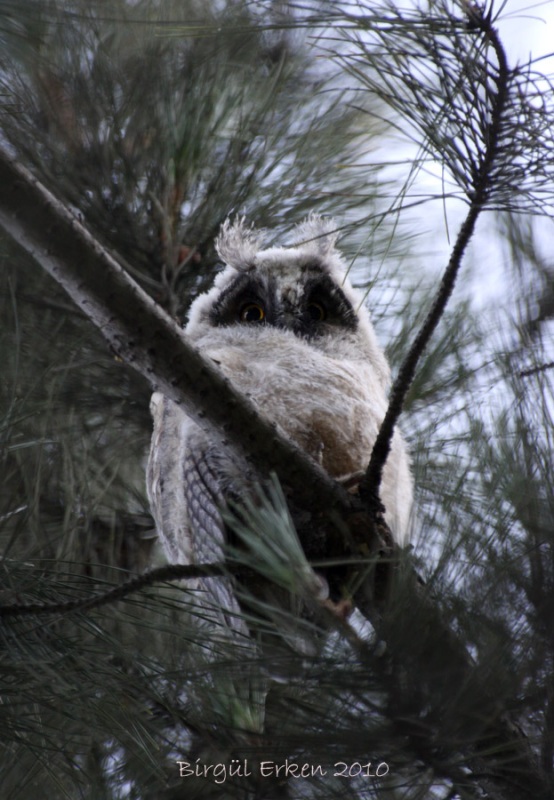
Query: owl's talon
point(341, 609)
point(351, 482)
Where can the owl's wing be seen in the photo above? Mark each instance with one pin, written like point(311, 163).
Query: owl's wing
point(190, 478)
point(205, 495)
point(186, 482)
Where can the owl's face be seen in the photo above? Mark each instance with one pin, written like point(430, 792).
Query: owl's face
point(304, 300)
point(269, 295)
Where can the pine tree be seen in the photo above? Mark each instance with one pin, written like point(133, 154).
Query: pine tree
point(149, 123)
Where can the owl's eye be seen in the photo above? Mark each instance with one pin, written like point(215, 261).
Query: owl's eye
point(252, 312)
point(316, 312)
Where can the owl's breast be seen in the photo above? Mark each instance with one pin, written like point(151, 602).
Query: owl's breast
point(331, 408)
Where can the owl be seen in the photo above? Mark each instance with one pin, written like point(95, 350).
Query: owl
point(287, 328)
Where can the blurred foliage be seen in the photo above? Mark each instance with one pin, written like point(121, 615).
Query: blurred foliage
point(155, 120)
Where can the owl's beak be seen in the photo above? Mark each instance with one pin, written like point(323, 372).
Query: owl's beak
point(287, 320)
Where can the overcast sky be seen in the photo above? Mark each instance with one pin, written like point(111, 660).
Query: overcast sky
point(527, 30)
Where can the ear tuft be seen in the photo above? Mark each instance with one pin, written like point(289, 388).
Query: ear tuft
point(238, 243)
point(317, 233)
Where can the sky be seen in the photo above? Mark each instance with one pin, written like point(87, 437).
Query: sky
point(527, 27)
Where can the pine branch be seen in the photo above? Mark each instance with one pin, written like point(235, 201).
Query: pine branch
point(483, 186)
point(156, 347)
point(147, 339)
point(169, 572)
point(499, 755)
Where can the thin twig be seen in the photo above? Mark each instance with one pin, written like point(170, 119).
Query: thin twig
point(526, 373)
point(170, 572)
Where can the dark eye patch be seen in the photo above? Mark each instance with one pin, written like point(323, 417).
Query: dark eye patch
point(325, 302)
point(251, 300)
point(245, 292)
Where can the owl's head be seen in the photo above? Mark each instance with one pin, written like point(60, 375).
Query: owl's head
point(301, 289)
